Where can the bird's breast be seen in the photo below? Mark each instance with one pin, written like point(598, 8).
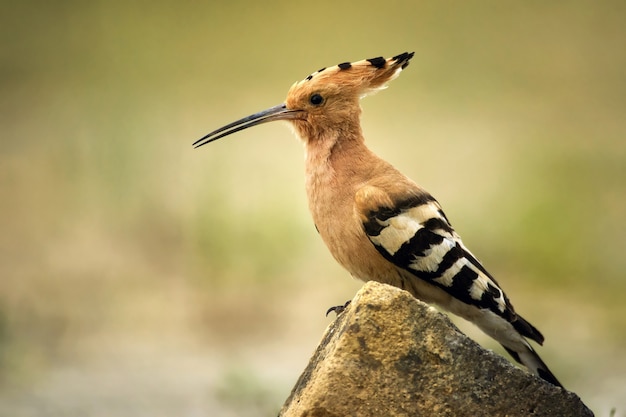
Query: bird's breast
point(331, 202)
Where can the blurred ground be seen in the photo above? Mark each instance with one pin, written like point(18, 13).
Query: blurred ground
point(141, 277)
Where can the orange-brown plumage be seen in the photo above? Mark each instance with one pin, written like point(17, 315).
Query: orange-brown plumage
point(376, 222)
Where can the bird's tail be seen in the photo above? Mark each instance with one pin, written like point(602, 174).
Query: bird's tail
point(530, 359)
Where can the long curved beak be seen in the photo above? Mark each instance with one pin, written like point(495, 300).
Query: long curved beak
point(280, 112)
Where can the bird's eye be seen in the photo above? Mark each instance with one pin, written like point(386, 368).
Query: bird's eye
point(316, 99)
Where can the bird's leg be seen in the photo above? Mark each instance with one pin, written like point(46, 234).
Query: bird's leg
point(338, 309)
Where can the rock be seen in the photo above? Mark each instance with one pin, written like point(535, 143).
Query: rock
point(389, 354)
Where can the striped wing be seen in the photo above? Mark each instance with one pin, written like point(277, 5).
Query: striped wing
point(415, 235)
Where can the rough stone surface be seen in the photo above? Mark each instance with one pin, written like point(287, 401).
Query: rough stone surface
point(389, 354)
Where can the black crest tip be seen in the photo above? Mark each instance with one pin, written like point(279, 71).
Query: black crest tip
point(403, 58)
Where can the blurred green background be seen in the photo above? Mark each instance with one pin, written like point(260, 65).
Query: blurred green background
point(141, 277)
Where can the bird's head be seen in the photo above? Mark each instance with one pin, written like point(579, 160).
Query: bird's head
point(326, 100)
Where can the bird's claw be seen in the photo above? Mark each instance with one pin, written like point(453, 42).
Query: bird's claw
point(338, 309)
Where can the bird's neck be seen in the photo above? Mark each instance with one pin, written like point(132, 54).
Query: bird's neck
point(330, 155)
point(336, 166)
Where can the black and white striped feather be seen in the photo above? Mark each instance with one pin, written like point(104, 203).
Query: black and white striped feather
point(416, 236)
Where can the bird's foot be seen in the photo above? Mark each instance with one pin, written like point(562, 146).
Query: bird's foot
point(338, 309)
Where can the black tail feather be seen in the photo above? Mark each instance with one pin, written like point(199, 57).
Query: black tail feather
point(535, 364)
point(526, 329)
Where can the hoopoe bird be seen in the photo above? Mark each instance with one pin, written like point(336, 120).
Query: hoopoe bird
point(377, 223)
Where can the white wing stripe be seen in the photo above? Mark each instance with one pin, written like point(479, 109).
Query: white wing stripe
point(398, 230)
point(447, 278)
point(432, 257)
